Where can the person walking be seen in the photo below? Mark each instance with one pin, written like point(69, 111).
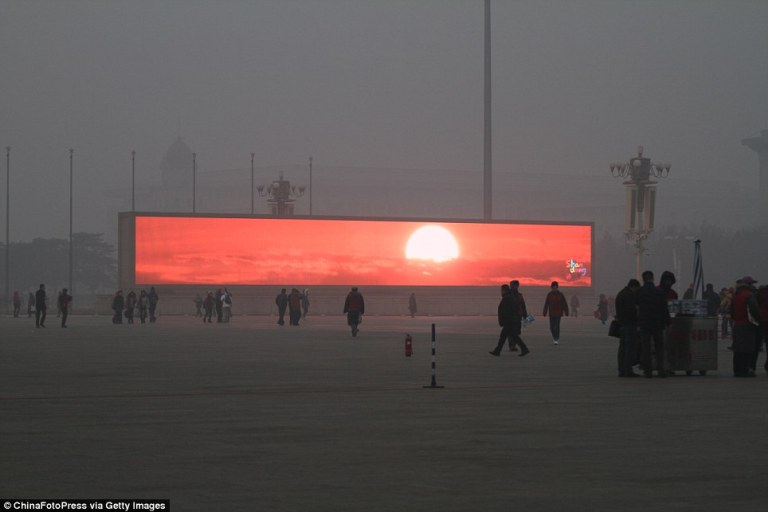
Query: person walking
point(294, 307)
point(713, 300)
point(557, 307)
point(602, 308)
point(282, 304)
point(143, 306)
point(41, 308)
point(744, 310)
point(208, 304)
point(118, 303)
point(726, 299)
point(65, 300)
point(16, 304)
point(226, 305)
point(130, 306)
point(354, 307)
point(305, 303)
point(153, 299)
point(762, 303)
point(510, 321)
point(575, 304)
point(198, 300)
point(412, 305)
point(626, 315)
point(219, 302)
point(652, 318)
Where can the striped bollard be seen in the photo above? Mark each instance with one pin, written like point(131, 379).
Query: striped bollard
point(433, 385)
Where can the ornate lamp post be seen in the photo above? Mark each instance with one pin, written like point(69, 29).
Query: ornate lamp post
point(641, 198)
point(281, 195)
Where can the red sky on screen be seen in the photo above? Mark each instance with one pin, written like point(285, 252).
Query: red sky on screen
point(212, 250)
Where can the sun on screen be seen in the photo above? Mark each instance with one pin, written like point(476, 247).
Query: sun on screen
point(432, 243)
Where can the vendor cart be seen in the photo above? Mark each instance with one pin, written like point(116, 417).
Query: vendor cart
point(691, 344)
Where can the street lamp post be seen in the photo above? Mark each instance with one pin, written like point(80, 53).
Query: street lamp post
point(281, 195)
point(133, 180)
point(641, 199)
point(252, 203)
point(310, 186)
point(71, 155)
point(8, 226)
point(487, 133)
point(194, 177)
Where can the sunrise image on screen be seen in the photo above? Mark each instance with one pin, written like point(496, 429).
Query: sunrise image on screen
point(269, 251)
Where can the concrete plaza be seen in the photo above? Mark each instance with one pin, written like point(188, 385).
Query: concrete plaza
point(255, 417)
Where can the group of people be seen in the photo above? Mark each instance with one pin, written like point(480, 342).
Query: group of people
point(513, 314)
point(219, 302)
point(643, 315)
point(127, 305)
point(38, 303)
point(297, 304)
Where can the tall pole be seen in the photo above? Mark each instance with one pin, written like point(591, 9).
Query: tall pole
point(487, 153)
point(310, 185)
point(133, 180)
point(252, 203)
point(71, 153)
point(194, 177)
point(8, 226)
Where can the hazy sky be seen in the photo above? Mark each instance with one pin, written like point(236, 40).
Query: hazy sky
point(380, 83)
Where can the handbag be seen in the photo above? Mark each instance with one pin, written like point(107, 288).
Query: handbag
point(614, 329)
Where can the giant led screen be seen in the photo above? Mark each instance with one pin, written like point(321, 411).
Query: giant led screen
point(272, 251)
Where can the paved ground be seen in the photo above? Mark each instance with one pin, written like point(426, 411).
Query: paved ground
point(251, 416)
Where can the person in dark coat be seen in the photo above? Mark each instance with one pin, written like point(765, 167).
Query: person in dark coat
point(354, 307)
point(130, 305)
point(626, 315)
point(412, 305)
point(118, 303)
point(282, 303)
point(744, 345)
point(602, 308)
point(762, 303)
point(557, 307)
point(510, 320)
point(305, 303)
point(219, 301)
point(652, 319)
point(208, 304)
point(41, 308)
point(153, 299)
point(665, 284)
point(713, 300)
point(294, 307)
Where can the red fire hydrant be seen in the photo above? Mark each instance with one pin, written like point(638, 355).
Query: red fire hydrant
point(408, 345)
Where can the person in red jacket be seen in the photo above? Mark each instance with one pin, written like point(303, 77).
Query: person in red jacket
point(557, 307)
point(743, 306)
